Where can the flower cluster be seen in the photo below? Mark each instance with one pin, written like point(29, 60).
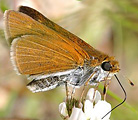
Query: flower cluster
point(93, 108)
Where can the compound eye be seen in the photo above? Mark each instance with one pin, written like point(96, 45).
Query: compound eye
point(106, 66)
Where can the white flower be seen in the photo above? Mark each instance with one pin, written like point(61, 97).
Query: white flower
point(91, 111)
point(77, 114)
point(101, 109)
point(88, 108)
point(63, 109)
point(90, 95)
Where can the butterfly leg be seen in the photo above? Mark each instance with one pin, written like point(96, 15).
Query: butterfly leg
point(106, 85)
point(86, 85)
point(96, 87)
point(73, 92)
point(67, 92)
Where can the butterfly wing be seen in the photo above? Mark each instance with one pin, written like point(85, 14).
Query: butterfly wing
point(71, 37)
point(36, 48)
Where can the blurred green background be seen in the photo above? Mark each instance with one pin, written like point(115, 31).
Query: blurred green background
point(108, 25)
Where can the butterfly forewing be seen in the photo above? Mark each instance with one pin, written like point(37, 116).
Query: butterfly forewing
point(52, 52)
point(86, 48)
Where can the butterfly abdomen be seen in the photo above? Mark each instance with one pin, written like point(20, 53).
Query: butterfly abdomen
point(45, 84)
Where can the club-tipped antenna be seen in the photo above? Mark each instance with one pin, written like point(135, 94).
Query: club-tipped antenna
point(122, 101)
point(130, 82)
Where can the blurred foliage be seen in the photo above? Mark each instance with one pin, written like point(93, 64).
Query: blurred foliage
point(109, 25)
point(3, 5)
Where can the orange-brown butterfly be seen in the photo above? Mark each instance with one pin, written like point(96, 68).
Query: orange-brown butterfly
point(50, 55)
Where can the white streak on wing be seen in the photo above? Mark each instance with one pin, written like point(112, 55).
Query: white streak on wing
point(33, 89)
point(37, 77)
point(13, 56)
point(6, 29)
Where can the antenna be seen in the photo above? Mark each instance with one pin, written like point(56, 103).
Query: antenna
point(130, 82)
point(122, 101)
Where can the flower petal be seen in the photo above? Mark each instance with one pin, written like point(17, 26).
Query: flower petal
point(63, 109)
point(82, 116)
point(77, 114)
point(97, 96)
point(88, 108)
point(90, 94)
point(101, 109)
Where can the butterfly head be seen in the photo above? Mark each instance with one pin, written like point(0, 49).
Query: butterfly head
point(111, 65)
